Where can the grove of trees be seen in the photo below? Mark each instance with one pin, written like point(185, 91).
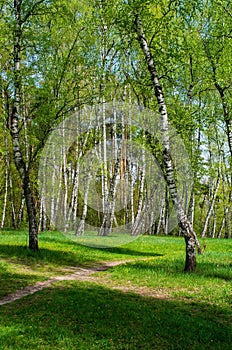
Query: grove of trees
point(172, 57)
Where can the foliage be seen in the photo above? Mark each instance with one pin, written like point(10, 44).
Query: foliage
point(74, 54)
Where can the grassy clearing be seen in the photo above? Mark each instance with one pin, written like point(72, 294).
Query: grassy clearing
point(20, 267)
point(195, 312)
point(211, 282)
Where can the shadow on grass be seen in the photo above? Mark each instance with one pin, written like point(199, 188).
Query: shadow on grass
point(24, 254)
point(78, 256)
point(126, 251)
point(215, 270)
point(83, 316)
point(113, 250)
point(10, 282)
point(208, 270)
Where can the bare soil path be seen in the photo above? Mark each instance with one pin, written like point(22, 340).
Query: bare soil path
point(81, 274)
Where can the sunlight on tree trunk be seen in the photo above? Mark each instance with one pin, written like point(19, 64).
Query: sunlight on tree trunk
point(190, 236)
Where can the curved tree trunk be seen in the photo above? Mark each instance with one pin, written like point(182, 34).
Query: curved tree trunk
point(184, 224)
point(228, 126)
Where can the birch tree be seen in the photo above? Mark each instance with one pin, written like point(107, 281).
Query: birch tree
point(20, 162)
point(186, 227)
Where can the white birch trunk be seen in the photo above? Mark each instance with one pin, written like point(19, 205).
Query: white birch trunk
point(20, 213)
point(52, 202)
point(228, 221)
point(186, 227)
point(212, 235)
point(221, 227)
point(104, 153)
point(161, 222)
point(72, 214)
point(65, 177)
point(211, 207)
point(136, 226)
point(228, 123)
point(81, 226)
point(15, 134)
point(109, 209)
point(166, 217)
point(5, 199)
point(191, 207)
point(8, 178)
point(42, 211)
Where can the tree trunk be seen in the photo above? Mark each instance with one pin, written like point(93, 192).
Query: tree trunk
point(6, 165)
point(109, 209)
point(191, 207)
point(221, 228)
point(211, 207)
point(228, 123)
point(141, 178)
point(81, 226)
point(65, 181)
point(42, 211)
point(20, 212)
point(5, 199)
point(213, 231)
point(228, 221)
point(54, 189)
point(8, 172)
point(186, 227)
point(190, 261)
point(161, 222)
point(17, 151)
point(166, 218)
point(72, 214)
point(31, 212)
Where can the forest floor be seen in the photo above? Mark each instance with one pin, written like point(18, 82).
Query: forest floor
point(68, 296)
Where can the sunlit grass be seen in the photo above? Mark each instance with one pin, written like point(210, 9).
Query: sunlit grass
point(92, 239)
point(180, 311)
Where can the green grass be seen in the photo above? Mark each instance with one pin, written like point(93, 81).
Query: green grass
point(211, 282)
point(92, 239)
point(187, 311)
